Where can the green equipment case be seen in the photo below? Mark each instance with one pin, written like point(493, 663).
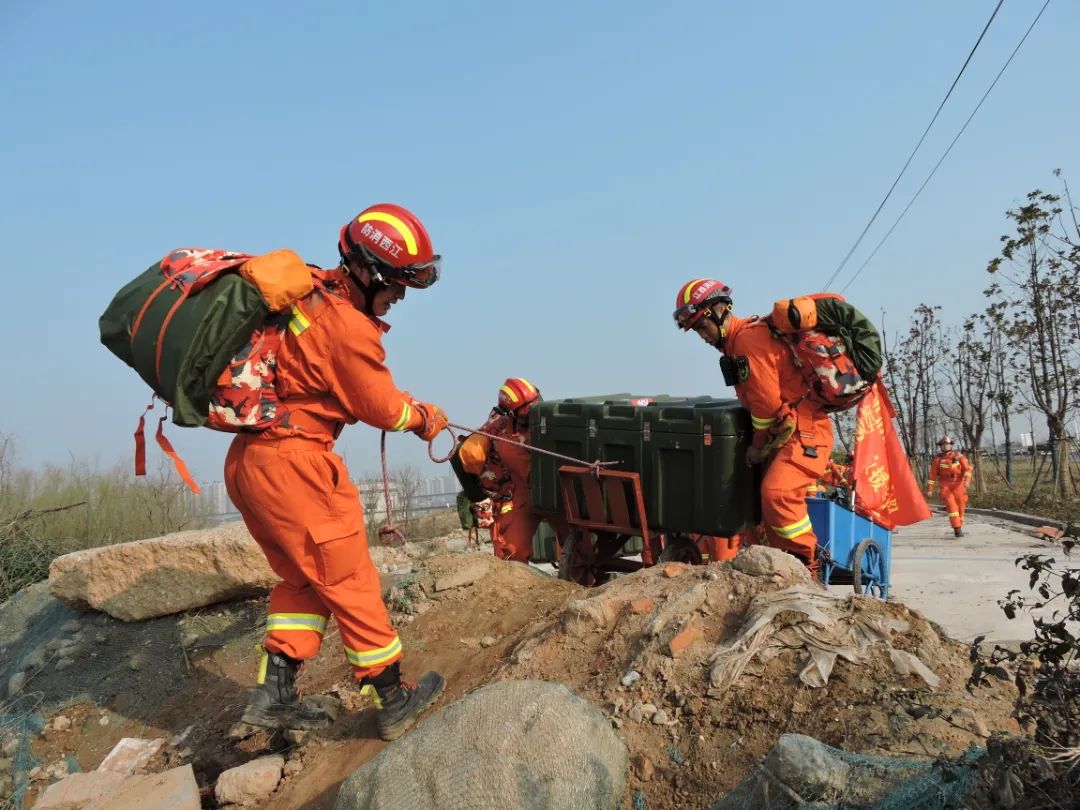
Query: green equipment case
point(688, 451)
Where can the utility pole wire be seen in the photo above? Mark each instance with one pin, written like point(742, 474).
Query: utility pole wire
point(951, 145)
point(907, 163)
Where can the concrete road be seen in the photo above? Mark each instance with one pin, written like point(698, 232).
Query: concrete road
point(958, 582)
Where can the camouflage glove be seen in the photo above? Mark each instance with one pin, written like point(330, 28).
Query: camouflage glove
point(433, 420)
point(768, 441)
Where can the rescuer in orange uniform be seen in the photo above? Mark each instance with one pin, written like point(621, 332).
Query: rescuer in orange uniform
point(837, 474)
point(792, 434)
point(295, 494)
point(503, 469)
point(952, 468)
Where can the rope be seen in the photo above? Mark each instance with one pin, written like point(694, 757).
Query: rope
point(389, 534)
point(592, 465)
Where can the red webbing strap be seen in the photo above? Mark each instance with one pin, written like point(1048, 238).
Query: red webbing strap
point(167, 449)
point(140, 439)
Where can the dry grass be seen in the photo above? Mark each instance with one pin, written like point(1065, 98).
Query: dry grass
point(53, 511)
point(1020, 497)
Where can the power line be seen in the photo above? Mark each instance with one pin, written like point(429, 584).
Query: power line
point(907, 163)
point(951, 145)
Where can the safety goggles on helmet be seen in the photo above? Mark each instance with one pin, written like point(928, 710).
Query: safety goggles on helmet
point(689, 314)
point(420, 275)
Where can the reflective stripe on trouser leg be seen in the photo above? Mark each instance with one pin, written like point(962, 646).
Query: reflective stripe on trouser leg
point(376, 658)
point(952, 504)
point(303, 509)
point(783, 498)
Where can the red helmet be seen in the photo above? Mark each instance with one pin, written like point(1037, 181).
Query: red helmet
point(696, 297)
point(393, 244)
point(517, 395)
point(946, 439)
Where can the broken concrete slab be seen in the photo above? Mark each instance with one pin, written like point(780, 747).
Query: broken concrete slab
point(174, 789)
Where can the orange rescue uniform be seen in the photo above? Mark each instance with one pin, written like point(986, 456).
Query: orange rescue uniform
point(294, 492)
point(953, 471)
point(772, 389)
point(504, 474)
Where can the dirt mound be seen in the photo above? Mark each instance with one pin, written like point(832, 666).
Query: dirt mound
point(643, 649)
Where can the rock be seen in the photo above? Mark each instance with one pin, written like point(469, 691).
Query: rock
point(970, 721)
point(644, 768)
point(630, 677)
point(61, 723)
point(292, 767)
point(677, 612)
point(586, 615)
point(136, 662)
point(660, 718)
point(174, 789)
point(488, 641)
point(506, 731)
point(131, 755)
point(58, 770)
point(328, 703)
point(64, 663)
point(71, 626)
point(674, 569)
point(162, 575)
point(54, 645)
point(16, 683)
point(103, 720)
point(762, 561)
point(807, 767)
point(636, 713)
point(34, 661)
point(642, 605)
point(648, 709)
point(9, 745)
point(251, 782)
point(684, 639)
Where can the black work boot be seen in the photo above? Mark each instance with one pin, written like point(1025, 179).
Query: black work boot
point(400, 703)
point(958, 532)
point(274, 703)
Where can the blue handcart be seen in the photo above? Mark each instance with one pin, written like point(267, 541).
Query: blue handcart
point(852, 549)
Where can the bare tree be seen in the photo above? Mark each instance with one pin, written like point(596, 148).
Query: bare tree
point(405, 483)
point(1002, 384)
point(371, 498)
point(912, 369)
point(967, 378)
point(1034, 293)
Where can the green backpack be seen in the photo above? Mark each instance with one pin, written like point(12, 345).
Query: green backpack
point(835, 347)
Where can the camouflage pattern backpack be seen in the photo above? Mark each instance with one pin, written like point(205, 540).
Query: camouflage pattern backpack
point(202, 328)
point(835, 347)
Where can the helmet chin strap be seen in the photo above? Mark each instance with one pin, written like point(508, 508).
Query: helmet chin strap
point(720, 321)
point(370, 290)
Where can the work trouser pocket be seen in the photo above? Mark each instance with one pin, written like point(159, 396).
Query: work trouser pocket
point(338, 550)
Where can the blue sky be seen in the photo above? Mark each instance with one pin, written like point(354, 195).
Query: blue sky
point(574, 163)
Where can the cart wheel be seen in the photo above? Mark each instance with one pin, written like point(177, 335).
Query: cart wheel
point(578, 560)
point(868, 569)
point(680, 549)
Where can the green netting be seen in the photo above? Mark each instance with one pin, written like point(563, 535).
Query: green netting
point(801, 772)
point(19, 720)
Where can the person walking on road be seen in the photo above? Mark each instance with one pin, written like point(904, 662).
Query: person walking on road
point(953, 470)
